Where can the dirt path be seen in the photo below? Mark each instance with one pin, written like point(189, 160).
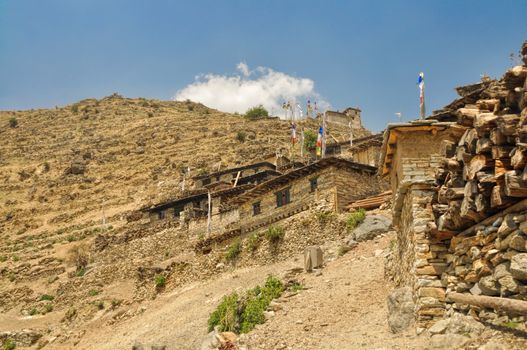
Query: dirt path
point(344, 307)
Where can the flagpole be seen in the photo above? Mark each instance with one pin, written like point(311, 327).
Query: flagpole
point(324, 132)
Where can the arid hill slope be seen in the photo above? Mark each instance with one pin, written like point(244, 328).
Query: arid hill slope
point(61, 167)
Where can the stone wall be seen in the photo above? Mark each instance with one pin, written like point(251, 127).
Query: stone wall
point(419, 258)
point(490, 260)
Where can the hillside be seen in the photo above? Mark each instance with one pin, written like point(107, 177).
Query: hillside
point(62, 167)
point(67, 170)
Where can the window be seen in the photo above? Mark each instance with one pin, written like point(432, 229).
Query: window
point(256, 208)
point(283, 197)
point(314, 183)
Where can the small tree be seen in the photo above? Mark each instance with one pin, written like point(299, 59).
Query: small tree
point(13, 122)
point(256, 112)
point(310, 139)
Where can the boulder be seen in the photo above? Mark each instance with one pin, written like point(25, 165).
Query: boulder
point(372, 226)
point(448, 341)
point(401, 309)
point(313, 258)
point(518, 266)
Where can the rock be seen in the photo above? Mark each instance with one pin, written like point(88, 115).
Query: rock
point(138, 346)
point(77, 167)
point(23, 338)
point(313, 258)
point(461, 324)
point(493, 345)
point(220, 266)
point(158, 347)
point(518, 266)
point(372, 226)
point(448, 341)
point(439, 327)
point(268, 314)
point(210, 341)
point(518, 242)
point(352, 243)
point(229, 336)
point(400, 309)
point(488, 286)
point(475, 290)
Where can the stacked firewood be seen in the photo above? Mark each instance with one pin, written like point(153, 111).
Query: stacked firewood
point(486, 170)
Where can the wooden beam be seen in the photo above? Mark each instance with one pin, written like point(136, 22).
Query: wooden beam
point(510, 306)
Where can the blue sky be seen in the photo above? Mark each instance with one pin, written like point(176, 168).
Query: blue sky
point(357, 53)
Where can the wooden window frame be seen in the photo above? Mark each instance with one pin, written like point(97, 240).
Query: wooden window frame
point(257, 208)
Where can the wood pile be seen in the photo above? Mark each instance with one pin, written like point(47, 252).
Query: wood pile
point(486, 170)
point(371, 202)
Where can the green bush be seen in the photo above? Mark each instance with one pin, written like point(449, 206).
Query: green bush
point(241, 136)
point(48, 308)
point(256, 112)
point(226, 314)
point(274, 234)
point(234, 250)
point(75, 108)
point(9, 345)
point(33, 311)
point(160, 281)
point(310, 139)
point(253, 242)
point(355, 218)
point(93, 292)
point(240, 315)
point(47, 297)
point(324, 217)
point(13, 122)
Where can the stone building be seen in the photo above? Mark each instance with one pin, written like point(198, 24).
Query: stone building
point(344, 118)
point(410, 156)
point(363, 150)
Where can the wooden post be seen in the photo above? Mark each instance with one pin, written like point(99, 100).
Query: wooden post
point(511, 306)
point(237, 177)
point(209, 212)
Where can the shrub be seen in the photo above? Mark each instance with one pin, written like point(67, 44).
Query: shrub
point(47, 297)
point(253, 242)
point(274, 234)
point(33, 311)
point(256, 112)
point(310, 139)
point(234, 250)
point(48, 308)
point(296, 286)
point(355, 218)
point(75, 108)
point(9, 345)
point(116, 303)
point(240, 315)
point(70, 314)
point(80, 258)
point(160, 281)
point(3, 258)
point(241, 136)
point(226, 314)
point(93, 292)
point(324, 217)
point(13, 122)
point(343, 249)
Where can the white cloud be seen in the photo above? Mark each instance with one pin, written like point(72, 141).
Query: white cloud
point(237, 93)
